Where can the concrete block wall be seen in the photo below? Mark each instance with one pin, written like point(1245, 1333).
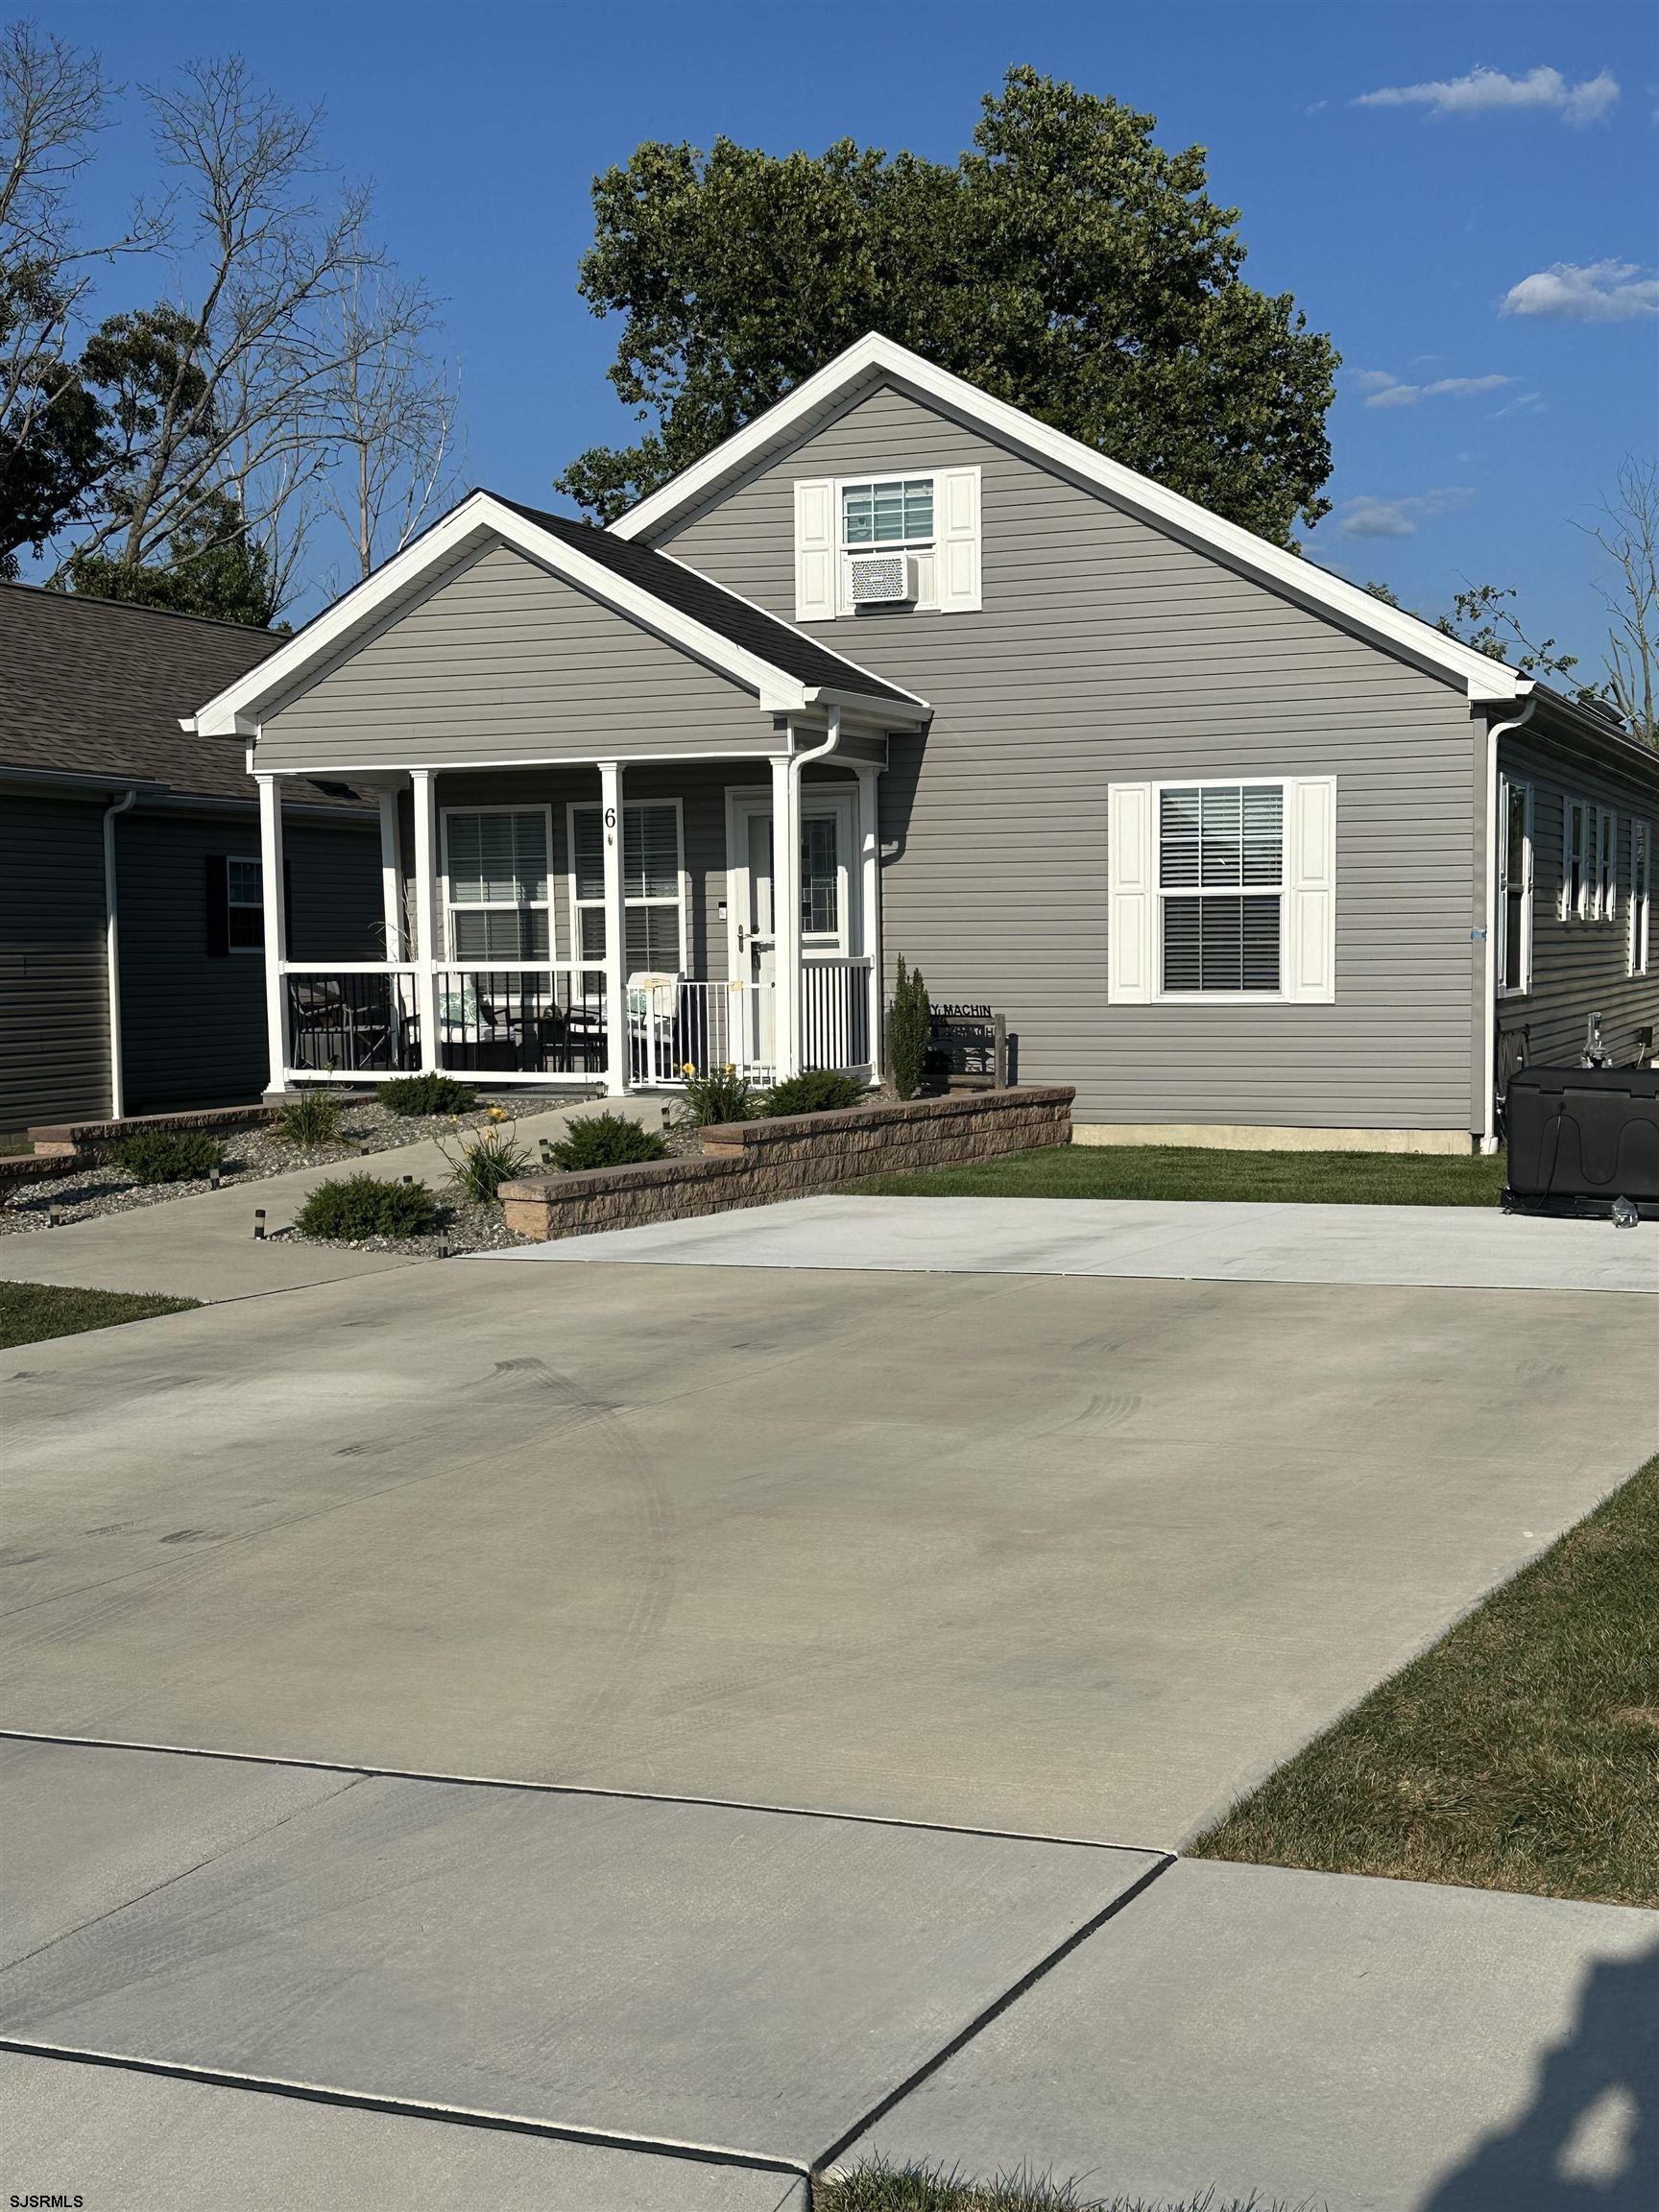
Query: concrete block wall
point(757, 1163)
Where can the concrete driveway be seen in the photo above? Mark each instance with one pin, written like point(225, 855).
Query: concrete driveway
point(798, 1561)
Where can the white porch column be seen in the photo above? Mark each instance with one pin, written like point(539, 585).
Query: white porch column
point(275, 929)
point(391, 876)
point(615, 930)
point(870, 901)
point(427, 950)
point(787, 917)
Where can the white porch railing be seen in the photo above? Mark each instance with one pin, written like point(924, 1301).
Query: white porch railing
point(538, 1021)
point(544, 1021)
point(836, 1013)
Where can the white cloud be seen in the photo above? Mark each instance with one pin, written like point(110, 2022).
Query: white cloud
point(1366, 516)
point(1597, 292)
point(1489, 91)
point(1382, 389)
point(1523, 403)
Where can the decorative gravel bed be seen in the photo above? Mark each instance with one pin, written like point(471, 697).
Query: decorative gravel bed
point(466, 1227)
point(251, 1156)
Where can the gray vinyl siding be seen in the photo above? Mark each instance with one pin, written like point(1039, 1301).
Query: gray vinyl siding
point(501, 661)
point(1580, 968)
point(1108, 651)
point(54, 999)
point(192, 1024)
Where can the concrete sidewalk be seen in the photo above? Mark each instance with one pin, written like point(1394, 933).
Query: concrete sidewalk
point(203, 1246)
point(1429, 1247)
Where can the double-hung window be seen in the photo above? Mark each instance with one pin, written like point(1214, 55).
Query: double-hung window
point(245, 905)
point(652, 885)
point(1605, 898)
point(1641, 894)
point(1221, 887)
point(891, 515)
point(1515, 890)
point(496, 862)
point(1578, 844)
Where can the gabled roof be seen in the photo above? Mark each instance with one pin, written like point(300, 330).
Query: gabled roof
point(94, 688)
point(787, 670)
point(874, 360)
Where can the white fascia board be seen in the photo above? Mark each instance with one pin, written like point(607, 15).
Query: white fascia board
point(234, 712)
point(1482, 678)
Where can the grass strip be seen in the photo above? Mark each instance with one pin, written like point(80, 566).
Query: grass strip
point(1194, 1172)
point(29, 1313)
point(1520, 1752)
point(879, 2187)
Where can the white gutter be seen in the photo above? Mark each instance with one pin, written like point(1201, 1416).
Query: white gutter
point(112, 953)
point(1494, 732)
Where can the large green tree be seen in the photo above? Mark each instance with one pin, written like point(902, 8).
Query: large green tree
point(1066, 263)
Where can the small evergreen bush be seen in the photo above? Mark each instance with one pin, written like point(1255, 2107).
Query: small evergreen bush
point(821, 1091)
point(167, 1156)
point(366, 1206)
point(720, 1095)
point(605, 1140)
point(311, 1119)
point(909, 1031)
point(428, 1094)
point(490, 1158)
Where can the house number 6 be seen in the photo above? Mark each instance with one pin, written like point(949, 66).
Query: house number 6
point(610, 817)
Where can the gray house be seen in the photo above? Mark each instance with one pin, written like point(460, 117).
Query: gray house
point(1237, 849)
point(132, 899)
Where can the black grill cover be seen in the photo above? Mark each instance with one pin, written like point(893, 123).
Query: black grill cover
point(1585, 1133)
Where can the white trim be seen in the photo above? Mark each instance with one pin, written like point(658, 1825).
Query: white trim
point(613, 826)
point(544, 809)
point(427, 957)
point(875, 355)
point(276, 934)
point(112, 953)
point(230, 712)
point(1639, 910)
point(840, 486)
point(870, 904)
point(391, 873)
point(1527, 885)
point(1131, 931)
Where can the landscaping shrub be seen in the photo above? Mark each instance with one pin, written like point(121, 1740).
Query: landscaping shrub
point(720, 1095)
point(909, 1031)
point(485, 1163)
point(365, 1206)
point(167, 1156)
point(605, 1141)
point(311, 1119)
point(429, 1093)
point(821, 1091)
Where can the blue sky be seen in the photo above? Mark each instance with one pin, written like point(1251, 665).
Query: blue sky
point(1480, 241)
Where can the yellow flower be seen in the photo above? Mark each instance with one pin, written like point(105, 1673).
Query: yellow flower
point(690, 1067)
point(497, 1113)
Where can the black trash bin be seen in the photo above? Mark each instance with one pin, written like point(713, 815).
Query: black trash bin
point(1582, 1136)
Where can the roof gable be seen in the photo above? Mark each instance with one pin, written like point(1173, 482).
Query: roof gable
point(874, 360)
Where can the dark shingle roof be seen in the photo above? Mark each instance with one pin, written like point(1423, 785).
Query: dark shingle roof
point(96, 688)
point(777, 643)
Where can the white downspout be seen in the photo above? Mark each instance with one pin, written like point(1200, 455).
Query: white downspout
point(1495, 731)
point(112, 953)
point(797, 964)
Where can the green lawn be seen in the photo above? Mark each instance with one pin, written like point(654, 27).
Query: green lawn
point(32, 1312)
point(882, 2188)
point(1181, 1171)
point(1521, 1752)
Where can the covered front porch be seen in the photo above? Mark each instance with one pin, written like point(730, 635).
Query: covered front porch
point(603, 924)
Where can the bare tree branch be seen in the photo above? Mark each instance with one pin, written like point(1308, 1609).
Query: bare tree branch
point(1628, 535)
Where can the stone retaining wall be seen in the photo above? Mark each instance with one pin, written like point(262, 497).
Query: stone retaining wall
point(755, 1162)
point(65, 1136)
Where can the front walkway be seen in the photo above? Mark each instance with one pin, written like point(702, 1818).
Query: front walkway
point(203, 1246)
point(1431, 1247)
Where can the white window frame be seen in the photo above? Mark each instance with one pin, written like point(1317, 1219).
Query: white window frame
point(1606, 864)
point(1527, 882)
point(845, 551)
point(233, 906)
point(1160, 996)
point(1580, 850)
point(681, 901)
point(1640, 911)
point(456, 959)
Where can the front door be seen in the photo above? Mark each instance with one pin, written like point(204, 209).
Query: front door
point(829, 924)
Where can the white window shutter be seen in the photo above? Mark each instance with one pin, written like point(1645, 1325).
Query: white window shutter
point(1310, 890)
point(1609, 865)
point(1564, 905)
point(815, 556)
point(1131, 934)
point(957, 522)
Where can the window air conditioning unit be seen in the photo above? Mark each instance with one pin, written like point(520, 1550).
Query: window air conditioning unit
point(885, 579)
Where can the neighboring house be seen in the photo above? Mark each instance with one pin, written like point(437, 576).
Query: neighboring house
point(1230, 844)
point(130, 866)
